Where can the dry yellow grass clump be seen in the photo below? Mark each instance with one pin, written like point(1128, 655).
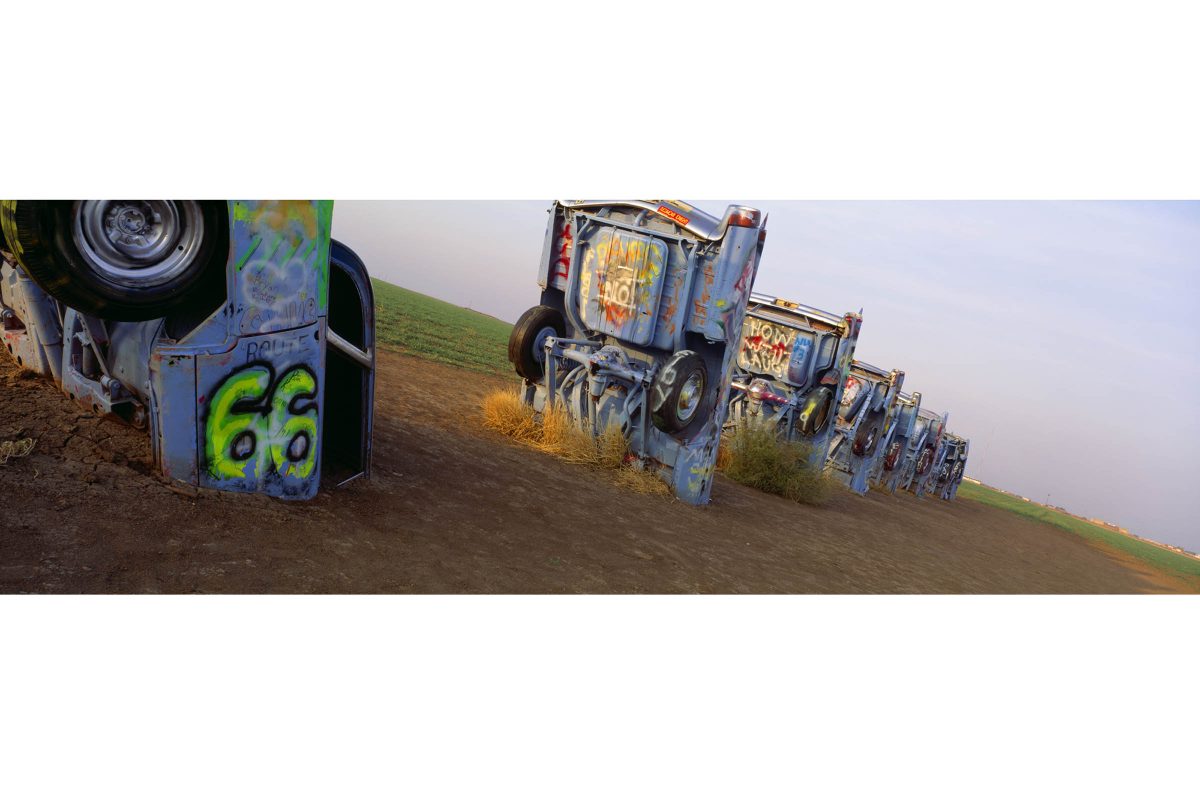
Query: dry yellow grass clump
point(18, 448)
point(758, 458)
point(555, 433)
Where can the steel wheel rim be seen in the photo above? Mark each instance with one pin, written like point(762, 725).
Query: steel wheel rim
point(138, 242)
point(689, 396)
point(539, 343)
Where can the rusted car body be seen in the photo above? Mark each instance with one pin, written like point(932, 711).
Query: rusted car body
point(638, 325)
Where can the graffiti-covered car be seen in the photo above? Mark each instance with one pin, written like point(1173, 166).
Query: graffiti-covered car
point(923, 451)
point(953, 466)
point(865, 414)
point(889, 468)
point(791, 369)
point(638, 325)
point(238, 333)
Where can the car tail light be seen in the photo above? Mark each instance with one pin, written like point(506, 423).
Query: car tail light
point(744, 216)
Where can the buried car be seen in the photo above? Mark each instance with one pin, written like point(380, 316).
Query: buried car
point(790, 371)
point(953, 466)
point(923, 451)
point(890, 465)
point(866, 413)
point(638, 326)
point(238, 333)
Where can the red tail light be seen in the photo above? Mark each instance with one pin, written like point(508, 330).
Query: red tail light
point(744, 216)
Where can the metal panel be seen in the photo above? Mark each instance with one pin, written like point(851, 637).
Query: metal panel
point(30, 323)
point(259, 410)
point(621, 282)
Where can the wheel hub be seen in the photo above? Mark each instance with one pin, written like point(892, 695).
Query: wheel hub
point(689, 396)
point(138, 242)
point(539, 343)
point(130, 220)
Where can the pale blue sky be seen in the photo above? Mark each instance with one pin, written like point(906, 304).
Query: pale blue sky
point(1060, 336)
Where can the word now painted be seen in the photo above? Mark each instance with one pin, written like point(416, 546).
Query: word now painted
point(767, 347)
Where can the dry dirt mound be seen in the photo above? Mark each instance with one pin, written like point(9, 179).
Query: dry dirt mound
point(455, 508)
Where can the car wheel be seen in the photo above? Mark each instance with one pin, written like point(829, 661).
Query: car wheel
point(814, 415)
point(526, 343)
point(122, 259)
point(864, 440)
point(678, 393)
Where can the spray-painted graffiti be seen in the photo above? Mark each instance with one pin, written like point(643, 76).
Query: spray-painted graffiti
point(627, 271)
point(732, 309)
point(275, 295)
point(282, 263)
point(564, 245)
point(767, 347)
point(699, 476)
point(850, 393)
point(258, 423)
point(925, 460)
point(893, 455)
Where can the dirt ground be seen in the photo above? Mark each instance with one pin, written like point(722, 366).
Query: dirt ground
point(453, 508)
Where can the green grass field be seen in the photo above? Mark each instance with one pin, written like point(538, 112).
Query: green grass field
point(1172, 562)
point(433, 329)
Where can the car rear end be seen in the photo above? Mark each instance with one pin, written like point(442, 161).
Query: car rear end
point(637, 326)
point(865, 416)
point(790, 371)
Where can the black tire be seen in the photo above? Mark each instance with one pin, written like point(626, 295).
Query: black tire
point(672, 410)
point(865, 439)
point(524, 343)
point(814, 414)
point(42, 236)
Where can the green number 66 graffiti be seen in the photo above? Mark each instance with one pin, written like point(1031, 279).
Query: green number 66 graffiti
point(258, 424)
